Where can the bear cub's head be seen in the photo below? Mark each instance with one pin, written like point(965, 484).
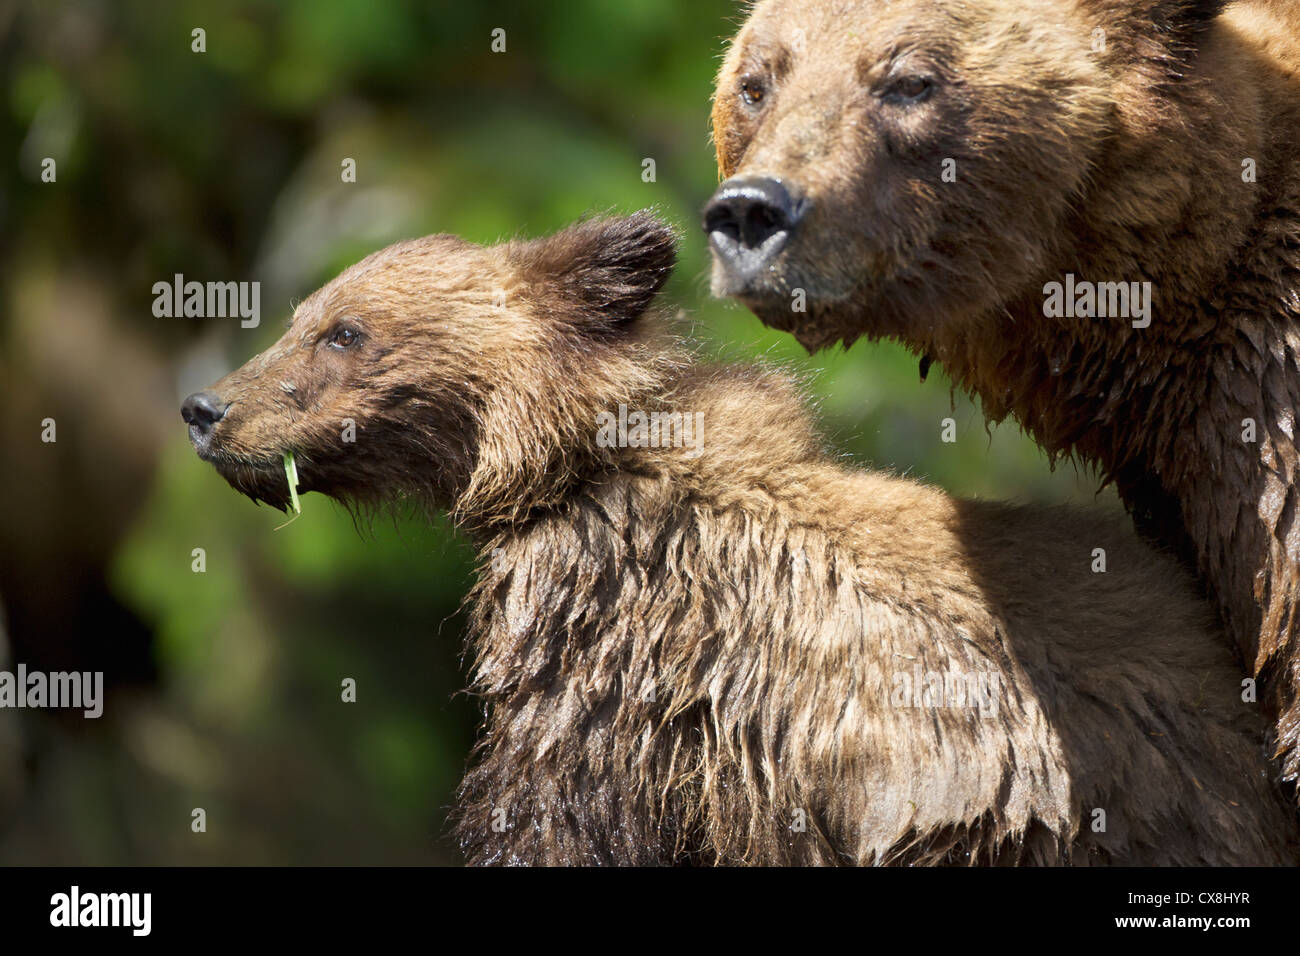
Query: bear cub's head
point(453, 373)
point(893, 166)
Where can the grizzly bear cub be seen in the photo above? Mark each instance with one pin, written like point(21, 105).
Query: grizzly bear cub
point(699, 638)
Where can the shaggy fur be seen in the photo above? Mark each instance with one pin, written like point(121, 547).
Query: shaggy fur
point(696, 658)
point(1116, 164)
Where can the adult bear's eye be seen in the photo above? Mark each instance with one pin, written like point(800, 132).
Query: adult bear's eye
point(752, 90)
point(908, 89)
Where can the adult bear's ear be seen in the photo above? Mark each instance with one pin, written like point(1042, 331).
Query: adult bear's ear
point(604, 271)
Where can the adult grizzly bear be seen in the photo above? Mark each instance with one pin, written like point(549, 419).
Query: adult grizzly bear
point(1087, 210)
point(701, 640)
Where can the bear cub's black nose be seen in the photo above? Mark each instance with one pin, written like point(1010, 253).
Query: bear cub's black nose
point(202, 410)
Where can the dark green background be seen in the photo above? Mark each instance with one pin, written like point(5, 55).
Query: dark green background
point(225, 165)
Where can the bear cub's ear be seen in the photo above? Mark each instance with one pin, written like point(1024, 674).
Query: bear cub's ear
point(606, 271)
point(1188, 20)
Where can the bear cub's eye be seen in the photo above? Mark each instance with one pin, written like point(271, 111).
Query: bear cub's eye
point(752, 90)
point(908, 89)
point(344, 337)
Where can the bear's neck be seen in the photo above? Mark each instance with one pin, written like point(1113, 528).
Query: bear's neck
point(685, 428)
point(537, 430)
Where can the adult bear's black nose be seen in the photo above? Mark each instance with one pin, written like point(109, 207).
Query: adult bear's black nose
point(751, 210)
point(202, 410)
point(749, 221)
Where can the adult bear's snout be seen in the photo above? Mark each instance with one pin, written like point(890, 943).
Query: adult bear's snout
point(749, 220)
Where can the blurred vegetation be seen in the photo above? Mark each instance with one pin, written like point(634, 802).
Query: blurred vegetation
point(226, 165)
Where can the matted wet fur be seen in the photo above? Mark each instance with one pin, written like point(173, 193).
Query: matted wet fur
point(1116, 140)
point(717, 650)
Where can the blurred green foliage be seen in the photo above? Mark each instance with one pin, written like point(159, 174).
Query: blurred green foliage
point(225, 165)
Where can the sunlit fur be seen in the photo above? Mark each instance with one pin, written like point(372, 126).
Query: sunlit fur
point(681, 658)
point(1117, 165)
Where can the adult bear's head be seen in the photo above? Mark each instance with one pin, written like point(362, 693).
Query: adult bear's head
point(897, 165)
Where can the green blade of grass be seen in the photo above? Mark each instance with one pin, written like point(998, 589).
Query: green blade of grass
point(291, 476)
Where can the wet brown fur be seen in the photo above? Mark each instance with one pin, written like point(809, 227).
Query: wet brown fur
point(683, 656)
point(1122, 165)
